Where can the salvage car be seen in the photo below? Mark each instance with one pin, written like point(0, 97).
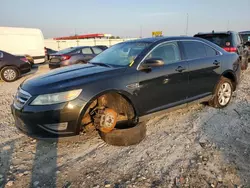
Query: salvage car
point(12, 67)
point(126, 84)
point(230, 41)
point(73, 55)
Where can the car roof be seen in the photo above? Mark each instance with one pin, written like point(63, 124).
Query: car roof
point(157, 39)
point(244, 32)
point(216, 32)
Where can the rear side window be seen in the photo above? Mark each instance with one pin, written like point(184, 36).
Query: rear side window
point(96, 50)
point(87, 51)
point(1, 54)
point(194, 50)
point(221, 40)
point(210, 51)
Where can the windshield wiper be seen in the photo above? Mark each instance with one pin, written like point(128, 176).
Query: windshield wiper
point(101, 64)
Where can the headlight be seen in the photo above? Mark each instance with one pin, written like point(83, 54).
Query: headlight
point(56, 98)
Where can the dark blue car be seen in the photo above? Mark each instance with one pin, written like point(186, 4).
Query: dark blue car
point(126, 83)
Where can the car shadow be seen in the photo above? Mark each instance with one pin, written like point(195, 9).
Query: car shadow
point(6, 151)
point(44, 175)
point(43, 169)
point(228, 129)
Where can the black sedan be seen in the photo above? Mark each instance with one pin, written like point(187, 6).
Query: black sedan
point(126, 83)
point(12, 67)
point(73, 55)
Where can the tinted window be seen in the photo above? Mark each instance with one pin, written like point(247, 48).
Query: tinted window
point(219, 39)
point(169, 52)
point(96, 50)
point(194, 50)
point(87, 51)
point(210, 51)
point(1, 54)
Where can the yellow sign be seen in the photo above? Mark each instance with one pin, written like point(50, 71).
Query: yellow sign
point(157, 33)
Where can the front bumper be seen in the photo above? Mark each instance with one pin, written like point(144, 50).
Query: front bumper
point(51, 121)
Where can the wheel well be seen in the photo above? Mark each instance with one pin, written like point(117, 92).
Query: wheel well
point(114, 100)
point(11, 66)
point(231, 77)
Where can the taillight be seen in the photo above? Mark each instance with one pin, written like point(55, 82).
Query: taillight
point(65, 57)
point(24, 59)
point(230, 49)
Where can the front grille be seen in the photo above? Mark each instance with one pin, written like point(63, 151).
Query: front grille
point(21, 98)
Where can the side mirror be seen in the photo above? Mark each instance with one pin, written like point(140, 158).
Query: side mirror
point(152, 62)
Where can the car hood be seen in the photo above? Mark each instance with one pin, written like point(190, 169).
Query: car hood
point(71, 77)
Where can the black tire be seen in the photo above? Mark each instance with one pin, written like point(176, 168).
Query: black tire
point(9, 68)
point(125, 137)
point(214, 102)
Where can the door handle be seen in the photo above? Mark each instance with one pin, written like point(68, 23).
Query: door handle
point(180, 69)
point(216, 62)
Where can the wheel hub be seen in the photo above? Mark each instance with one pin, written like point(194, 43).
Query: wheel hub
point(108, 120)
point(224, 94)
point(9, 74)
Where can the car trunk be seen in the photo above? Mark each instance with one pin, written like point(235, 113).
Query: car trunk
point(55, 58)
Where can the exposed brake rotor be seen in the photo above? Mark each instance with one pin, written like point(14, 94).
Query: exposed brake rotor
point(105, 119)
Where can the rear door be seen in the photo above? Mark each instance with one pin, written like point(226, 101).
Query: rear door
point(87, 54)
point(204, 68)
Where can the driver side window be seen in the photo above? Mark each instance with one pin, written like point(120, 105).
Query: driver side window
point(168, 52)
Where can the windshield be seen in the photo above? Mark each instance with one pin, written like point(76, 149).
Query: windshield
point(219, 39)
point(245, 37)
point(66, 51)
point(121, 54)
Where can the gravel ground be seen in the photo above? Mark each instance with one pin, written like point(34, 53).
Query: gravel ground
point(193, 147)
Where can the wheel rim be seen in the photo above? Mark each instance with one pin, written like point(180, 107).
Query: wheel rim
point(9, 74)
point(224, 94)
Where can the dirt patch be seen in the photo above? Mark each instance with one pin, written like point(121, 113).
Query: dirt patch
point(194, 147)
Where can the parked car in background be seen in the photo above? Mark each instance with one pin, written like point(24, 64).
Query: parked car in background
point(103, 47)
point(127, 82)
point(245, 36)
point(230, 41)
point(23, 42)
point(73, 55)
point(12, 67)
point(48, 52)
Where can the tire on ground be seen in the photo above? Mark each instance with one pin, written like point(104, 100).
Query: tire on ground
point(214, 102)
point(9, 68)
point(125, 137)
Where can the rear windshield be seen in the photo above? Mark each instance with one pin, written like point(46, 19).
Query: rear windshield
point(66, 51)
point(219, 39)
point(245, 37)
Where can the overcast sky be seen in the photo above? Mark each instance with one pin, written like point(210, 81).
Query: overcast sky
point(125, 18)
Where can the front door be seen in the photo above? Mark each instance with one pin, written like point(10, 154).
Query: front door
point(165, 86)
point(204, 68)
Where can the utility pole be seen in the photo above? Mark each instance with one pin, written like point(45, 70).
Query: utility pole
point(187, 24)
point(228, 25)
point(77, 41)
point(140, 31)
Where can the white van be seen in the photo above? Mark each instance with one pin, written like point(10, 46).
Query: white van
point(23, 41)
